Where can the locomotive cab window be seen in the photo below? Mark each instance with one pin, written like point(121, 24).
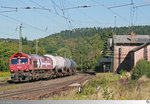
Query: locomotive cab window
point(23, 60)
point(14, 61)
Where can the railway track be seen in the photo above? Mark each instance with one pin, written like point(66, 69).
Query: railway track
point(41, 91)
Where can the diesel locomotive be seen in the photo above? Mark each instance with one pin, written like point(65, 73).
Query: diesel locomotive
point(29, 67)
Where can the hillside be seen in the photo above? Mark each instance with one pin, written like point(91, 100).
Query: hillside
point(8, 40)
point(84, 45)
point(87, 32)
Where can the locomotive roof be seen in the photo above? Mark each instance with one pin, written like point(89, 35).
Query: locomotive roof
point(31, 55)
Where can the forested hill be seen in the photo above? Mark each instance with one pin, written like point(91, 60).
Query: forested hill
point(83, 45)
point(8, 40)
point(86, 32)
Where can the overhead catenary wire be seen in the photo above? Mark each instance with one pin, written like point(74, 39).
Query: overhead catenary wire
point(90, 17)
point(143, 14)
point(120, 6)
point(71, 20)
point(8, 11)
point(25, 8)
point(132, 16)
point(53, 12)
point(141, 5)
point(41, 13)
point(7, 34)
point(111, 11)
point(67, 20)
point(24, 23)
point(37, 4)
point(70, 26)
point(83, 6)
point(54, 6)
point(57, 9)
point(42, 7)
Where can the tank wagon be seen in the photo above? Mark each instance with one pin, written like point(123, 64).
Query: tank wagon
point(28, 67)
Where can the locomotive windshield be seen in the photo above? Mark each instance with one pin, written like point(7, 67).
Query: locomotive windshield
point(23, 60)
point(14, 61)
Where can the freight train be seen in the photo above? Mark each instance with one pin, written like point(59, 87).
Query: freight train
point(29, 67)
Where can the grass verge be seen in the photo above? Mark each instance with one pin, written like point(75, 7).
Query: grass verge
point(4, 75)
point(8, 88)
point(109, 86)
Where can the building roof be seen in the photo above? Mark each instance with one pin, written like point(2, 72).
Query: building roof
point(127, 39)
point(139, 47)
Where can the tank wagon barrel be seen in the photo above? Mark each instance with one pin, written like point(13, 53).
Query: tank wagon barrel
point(73, 65)
point(67, 63)
point(63, 65)
point(53, 59)
point(27, 67)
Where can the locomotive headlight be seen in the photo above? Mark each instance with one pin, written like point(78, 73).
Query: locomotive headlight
point(26, 69)
point(11, 70)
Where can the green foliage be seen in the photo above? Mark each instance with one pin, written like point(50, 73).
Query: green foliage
point(3, 74)
point(88, 32)
point(85, 51)
point(9, 48)
point(83, 45)
point(90, 88)
point(122, 71)
point(6, 50)
point(131, 83)
point(142, 68)
point(9, 87)
point(108, 95)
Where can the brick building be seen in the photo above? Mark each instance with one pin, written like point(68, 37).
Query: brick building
point(128, 49)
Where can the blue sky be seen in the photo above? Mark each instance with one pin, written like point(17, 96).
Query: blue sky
point(38, 23)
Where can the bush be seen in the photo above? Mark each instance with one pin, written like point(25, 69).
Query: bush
point(4, 74)
point(122, 72)
point(90, 87)
point(142, 68)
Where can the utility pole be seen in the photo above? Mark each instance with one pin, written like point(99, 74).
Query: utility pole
point(65, 54)
point(20, 39)
point(81, 62)
point(37, 46)
point(115, 25)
